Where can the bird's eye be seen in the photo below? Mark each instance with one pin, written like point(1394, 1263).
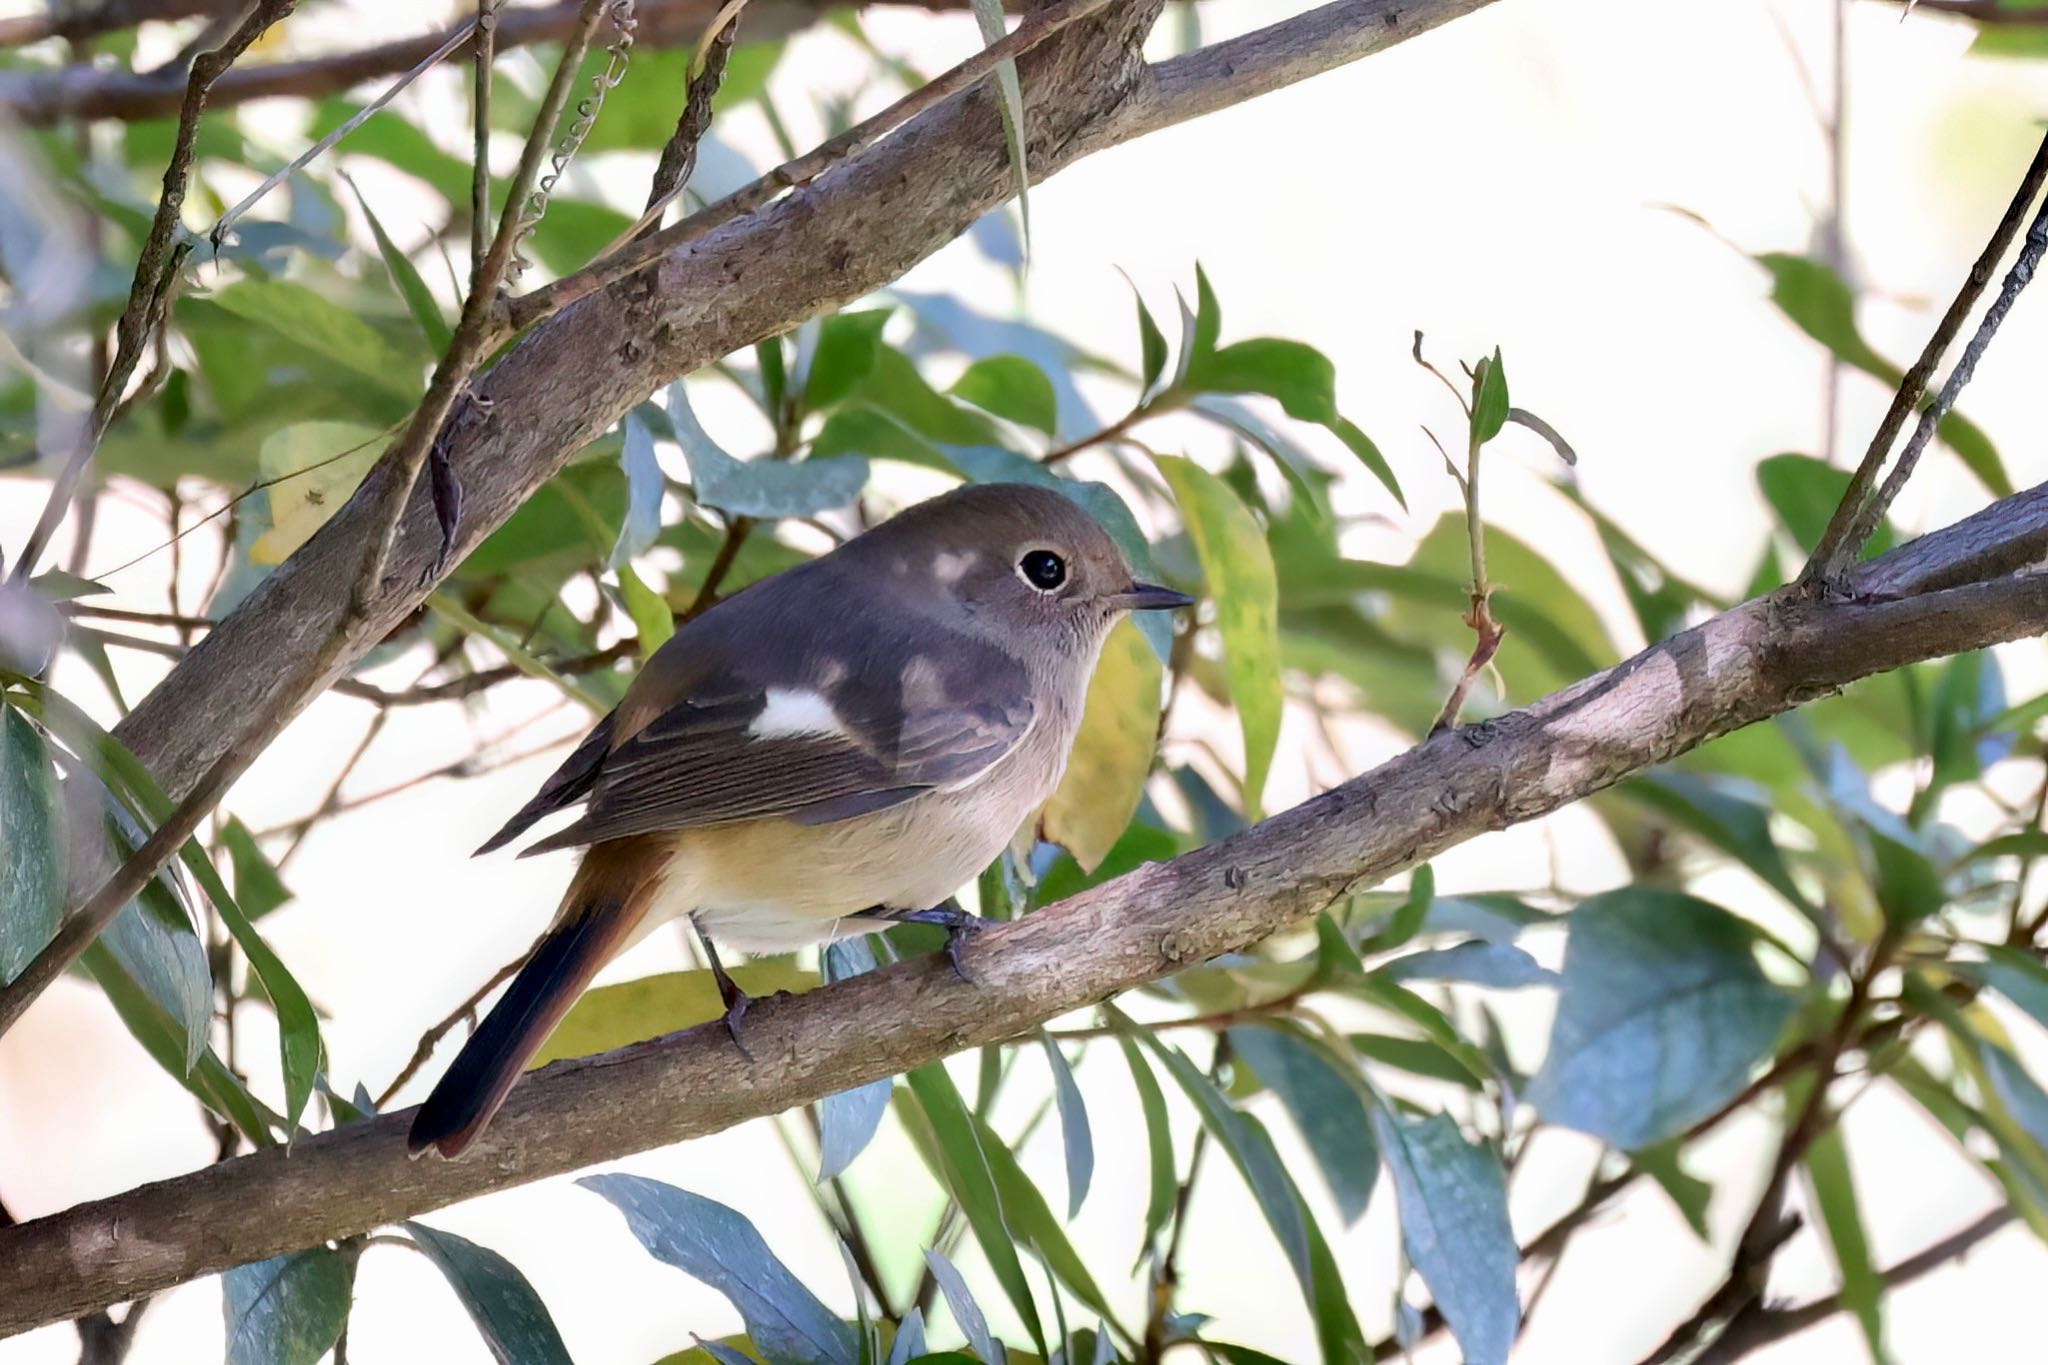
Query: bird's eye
point(1043, 570)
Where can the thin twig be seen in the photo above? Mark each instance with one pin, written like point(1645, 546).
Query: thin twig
point(1849, 527)
point(483, 55)
point(162, 257)
point(433, 1036)
point(679, 154)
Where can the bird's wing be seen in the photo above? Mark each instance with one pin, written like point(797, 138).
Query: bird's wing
point(816, 724)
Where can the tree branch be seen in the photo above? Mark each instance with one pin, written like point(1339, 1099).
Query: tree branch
point(87, 92)
point(1752, 662)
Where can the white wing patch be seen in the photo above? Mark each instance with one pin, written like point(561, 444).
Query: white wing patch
point(795, 711)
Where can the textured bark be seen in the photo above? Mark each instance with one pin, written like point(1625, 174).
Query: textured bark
point(1761, 658)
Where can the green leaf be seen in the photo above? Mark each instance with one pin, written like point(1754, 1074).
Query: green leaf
point(1245, 1141)
point(847, 343)
point(513, 1321)
point(324, 327)
point(312, 468)
point(1687, 1192)
point(1208, 314)
point(1804, 492)
point(989, 15)
point(405, 277)
point(1078, 1141)
point(612, 1016)
point(1489, 398)
point(1834, 1190)
point(1454, 1223)
point(1907, 883)
point(717, 1246)
point(2016, 975)
point(652, 619)
point(1238, 568)
point(762, 488)
point(641, 526)
point(1112, 752)
point(258, 887)
point(1032, 1221)
point(288, 1310)
point(1011, 387)
point(1298, 375)
point(1663, 1016)
point(1417, 1056)
point(1501, 966)
point(516, 653)
point(1409, 916)
point(1151, 344)
point(848, 1120)
point(965, 1170)
point(1738, 826)
point(966, 1312)
point(1324, 1104)
point(1295, 463)
point(1361, 445)
point(32, 844)
point(1158, 1142)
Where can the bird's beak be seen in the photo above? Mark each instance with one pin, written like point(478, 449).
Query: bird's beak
point(1149, 597)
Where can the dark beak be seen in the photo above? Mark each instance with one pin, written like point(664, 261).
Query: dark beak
point(1150, 597)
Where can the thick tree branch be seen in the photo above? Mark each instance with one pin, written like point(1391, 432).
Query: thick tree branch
point(87, 92)
point(1755, 661)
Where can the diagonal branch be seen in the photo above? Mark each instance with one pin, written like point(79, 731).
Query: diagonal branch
point(1755, 661)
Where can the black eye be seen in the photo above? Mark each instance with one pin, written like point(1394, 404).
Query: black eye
point(1043, 570)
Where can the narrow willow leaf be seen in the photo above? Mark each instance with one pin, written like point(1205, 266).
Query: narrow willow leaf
point(989, 15)
point(1502, 966)
point(2016, 975)
point(32, 857)
point(1158, 1141)
point(1238, 567)
point(966, 1312)
point(1208, 313)
point(644, 486)
point(515, 652)
point(1834, 1190)
point(965, 1168)
point(258, 887)
point(721, 1248)
point(764, 488)
point(1454, 1224)
point(1112, 754)
point(1033, 1222)
point(405, 278)
point(1079, 1141)
point(1295, 464)
point(288, 1310)
point(1151, 345)
point(1687, 1191)
point(849, 1120)
point(1412, 913)
point(1245, 1141)
point(507, 1312)
point(1325, 1106)
point(1663, 1015)
point(909, 1342)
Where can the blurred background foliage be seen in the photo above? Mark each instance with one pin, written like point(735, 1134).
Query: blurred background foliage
point(1886, 937)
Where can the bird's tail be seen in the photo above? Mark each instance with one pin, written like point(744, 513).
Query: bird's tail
point(599, 914)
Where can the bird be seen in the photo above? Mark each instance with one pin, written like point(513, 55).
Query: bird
point(830, 750)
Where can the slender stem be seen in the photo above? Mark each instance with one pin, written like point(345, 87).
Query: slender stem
point(483, 56)
point(1840, 542)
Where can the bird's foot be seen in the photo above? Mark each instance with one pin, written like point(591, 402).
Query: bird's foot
point(958, 924)
point(730, 994)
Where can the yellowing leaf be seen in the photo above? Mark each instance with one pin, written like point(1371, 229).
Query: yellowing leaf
point(320, 464)
point(1238, 565)
point(613, 1016)
point(1113, 752)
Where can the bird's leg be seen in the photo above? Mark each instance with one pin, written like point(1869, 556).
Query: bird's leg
point(957, 923)
point(735, 999)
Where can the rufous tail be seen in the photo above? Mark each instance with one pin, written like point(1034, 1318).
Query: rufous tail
point(603, 907)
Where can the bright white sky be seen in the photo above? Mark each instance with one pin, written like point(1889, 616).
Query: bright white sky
point(1493, 183)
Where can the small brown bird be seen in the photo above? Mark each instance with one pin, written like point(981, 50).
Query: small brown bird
point(831, 750)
